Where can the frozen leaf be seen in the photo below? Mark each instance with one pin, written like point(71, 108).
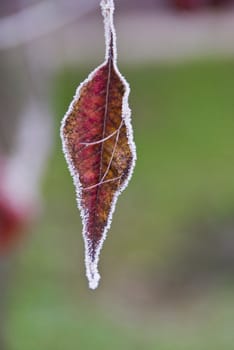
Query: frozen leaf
point(98, 145)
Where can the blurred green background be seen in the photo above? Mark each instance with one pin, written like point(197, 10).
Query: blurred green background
point(167, 264)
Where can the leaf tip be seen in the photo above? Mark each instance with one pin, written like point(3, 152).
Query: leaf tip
point(93, 283)
point(92, 274)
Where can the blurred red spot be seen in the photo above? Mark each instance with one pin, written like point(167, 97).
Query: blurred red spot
point(11, 226)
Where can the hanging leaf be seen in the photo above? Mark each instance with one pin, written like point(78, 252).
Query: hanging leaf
point(98, 146)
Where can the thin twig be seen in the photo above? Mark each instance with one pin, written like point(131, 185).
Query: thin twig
point(39, 20)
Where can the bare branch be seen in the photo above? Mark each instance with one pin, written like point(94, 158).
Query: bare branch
point(38, 20)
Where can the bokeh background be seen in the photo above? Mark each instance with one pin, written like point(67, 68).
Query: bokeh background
point(168, 264)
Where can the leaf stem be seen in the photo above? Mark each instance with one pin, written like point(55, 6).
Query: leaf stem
point(108, 8)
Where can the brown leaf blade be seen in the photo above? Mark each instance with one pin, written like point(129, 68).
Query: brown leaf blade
point(98, 145)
